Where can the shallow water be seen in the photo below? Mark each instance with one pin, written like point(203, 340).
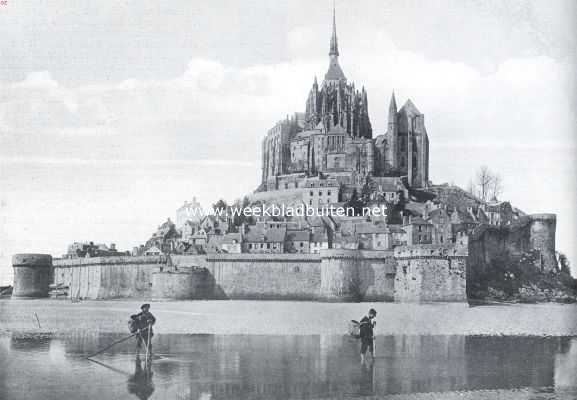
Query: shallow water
point(285, 367)
point(278, 350)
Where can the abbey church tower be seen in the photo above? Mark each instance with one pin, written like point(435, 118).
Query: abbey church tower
point(333, 138)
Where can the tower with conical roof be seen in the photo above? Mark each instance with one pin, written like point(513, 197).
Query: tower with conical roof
point(391, 164)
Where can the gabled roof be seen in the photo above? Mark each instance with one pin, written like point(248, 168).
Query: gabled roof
point(409, 108)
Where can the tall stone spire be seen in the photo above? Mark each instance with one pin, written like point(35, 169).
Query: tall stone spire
point(335, 73)
point(334, 51)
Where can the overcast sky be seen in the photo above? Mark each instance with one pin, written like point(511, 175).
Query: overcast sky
point(112, 113)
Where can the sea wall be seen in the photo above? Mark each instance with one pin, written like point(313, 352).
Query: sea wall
point(332, 275)
point(430, 273)
point(265, 276)
point(114, 277)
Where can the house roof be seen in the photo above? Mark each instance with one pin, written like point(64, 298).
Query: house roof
point(319, 236)
point(230, 238)
point(259, 235)
point(298, 236)
point(418, 221)
point(153, 249)
point(396, 229)
point(367, 227)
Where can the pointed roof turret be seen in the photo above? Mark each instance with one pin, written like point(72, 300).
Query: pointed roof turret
point(393, 103)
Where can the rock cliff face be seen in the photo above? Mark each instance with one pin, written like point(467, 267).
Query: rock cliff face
point(517, 263)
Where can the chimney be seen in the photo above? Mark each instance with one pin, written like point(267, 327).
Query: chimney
point(113, 246)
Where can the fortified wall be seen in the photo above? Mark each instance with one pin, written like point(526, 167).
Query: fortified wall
point(407, 274)
point(534, 232)
point(424, 273)
point(430, 273)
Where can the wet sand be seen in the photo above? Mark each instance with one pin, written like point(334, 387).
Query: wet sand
point(292, 318)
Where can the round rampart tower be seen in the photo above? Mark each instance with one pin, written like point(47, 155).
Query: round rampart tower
point(32, 275)
point(542, 238)
point(339, 275)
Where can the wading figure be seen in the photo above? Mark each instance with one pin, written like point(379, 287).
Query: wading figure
point(144, 321)
point(367, 324)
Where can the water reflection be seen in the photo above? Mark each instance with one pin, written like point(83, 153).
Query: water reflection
point(140, 383)
point(285, 367)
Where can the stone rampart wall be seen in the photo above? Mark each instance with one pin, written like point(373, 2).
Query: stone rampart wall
point(408, 274)
point(430, 273)
point(265, 276)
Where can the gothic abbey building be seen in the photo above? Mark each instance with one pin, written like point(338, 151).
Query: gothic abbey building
point(334, 139)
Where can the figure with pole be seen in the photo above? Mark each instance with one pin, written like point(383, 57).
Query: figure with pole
point(144, 321)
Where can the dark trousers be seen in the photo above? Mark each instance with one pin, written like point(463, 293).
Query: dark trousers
point(142, 337)
point(366, 344)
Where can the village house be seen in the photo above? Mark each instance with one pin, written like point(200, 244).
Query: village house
point(373, 236)
point(418, 231)
point(264, 241)
point(298, 241)
point(231, 243)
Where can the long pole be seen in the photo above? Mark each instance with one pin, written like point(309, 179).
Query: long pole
point(107, 347)
point(37, 320)
point(147, 346)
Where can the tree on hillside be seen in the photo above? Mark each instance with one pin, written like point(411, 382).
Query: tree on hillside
point(496, 187)
point(488, 185)
point(220, 206)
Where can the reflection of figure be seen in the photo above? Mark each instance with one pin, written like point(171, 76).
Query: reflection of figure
point(367, 325)
point(140, 383)
point(366, 383)
point(144, 321)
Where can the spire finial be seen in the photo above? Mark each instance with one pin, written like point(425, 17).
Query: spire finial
point(334, 51)
point(393, 103)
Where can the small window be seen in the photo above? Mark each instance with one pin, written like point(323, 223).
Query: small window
point(420, 228)
point(301, 244)
point(320, 192)
point(329, 193)
point(268, 245)
point(311, 193)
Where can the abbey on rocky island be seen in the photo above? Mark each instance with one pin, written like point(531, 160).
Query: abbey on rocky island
point(334, 138)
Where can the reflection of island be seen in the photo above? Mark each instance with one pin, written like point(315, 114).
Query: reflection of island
point(140, 383)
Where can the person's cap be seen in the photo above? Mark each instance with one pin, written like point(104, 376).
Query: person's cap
point(145, 306)
point(373, 311)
